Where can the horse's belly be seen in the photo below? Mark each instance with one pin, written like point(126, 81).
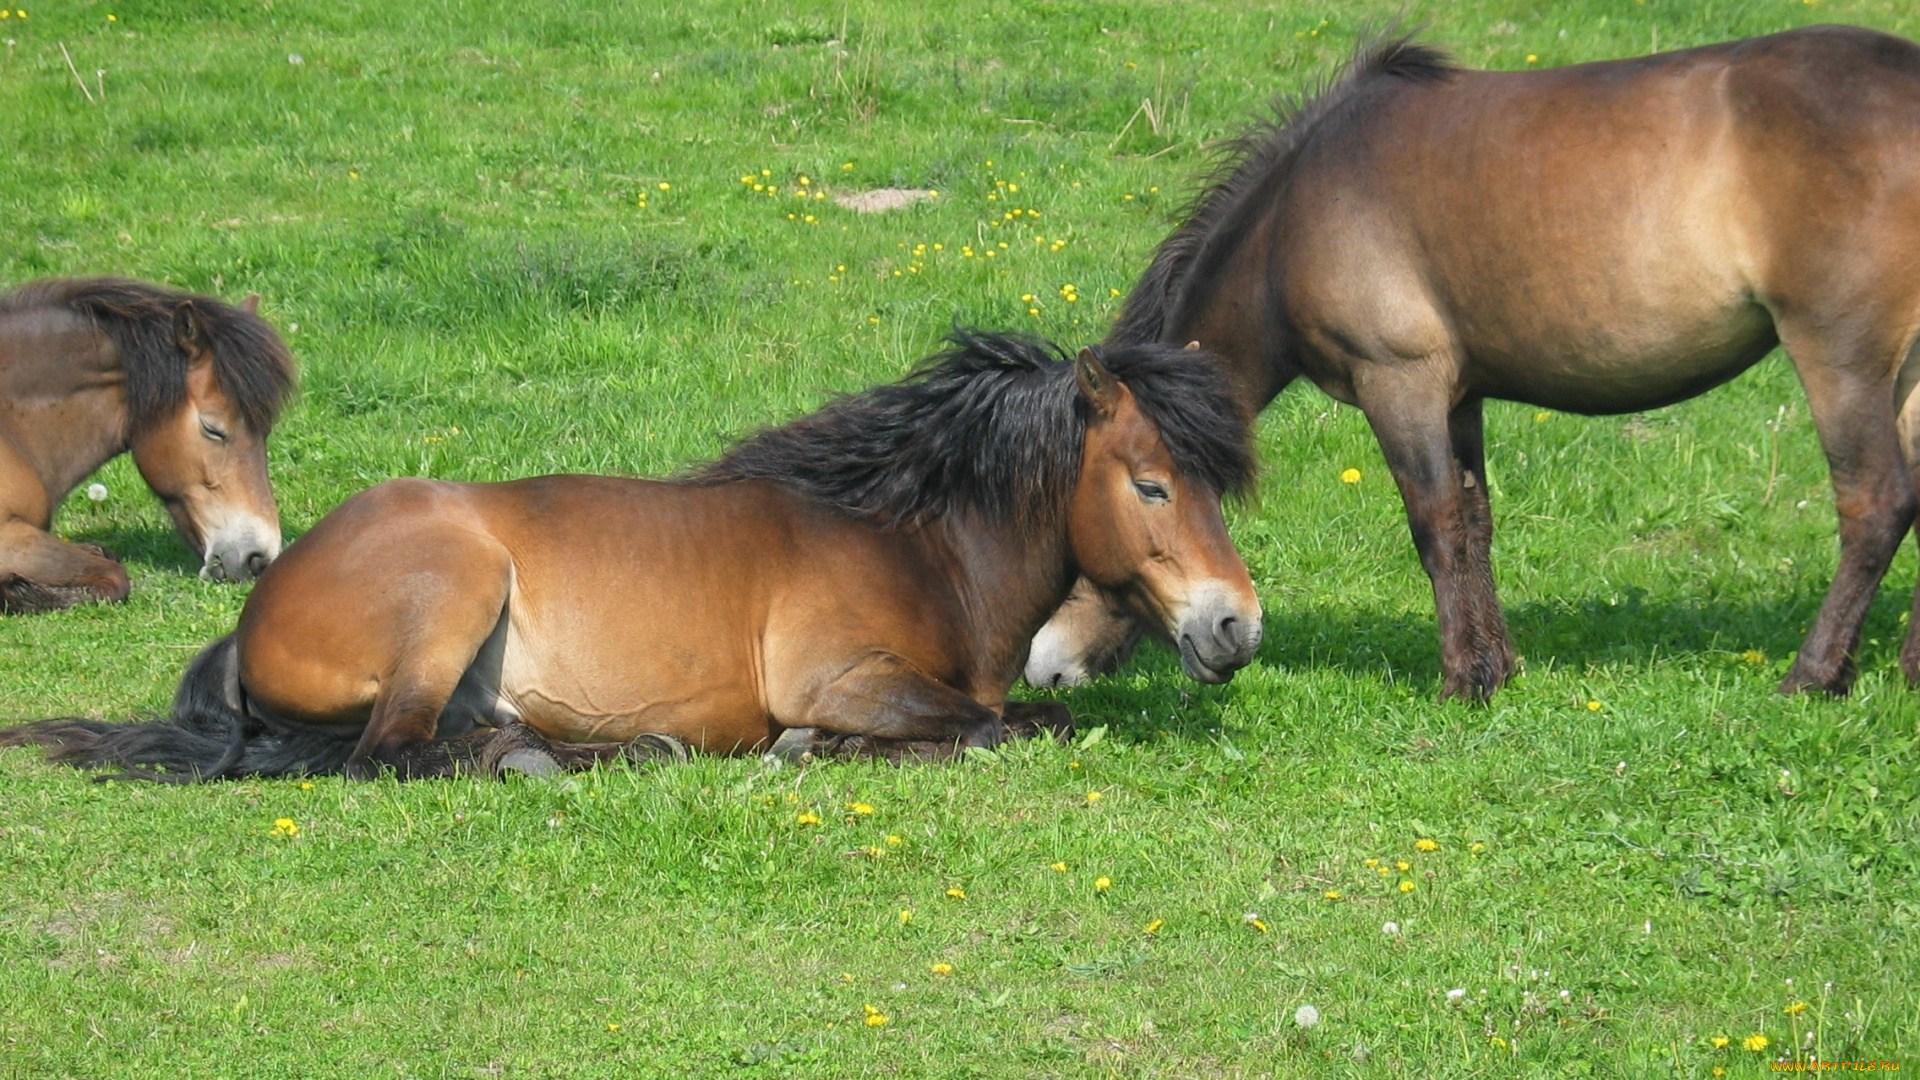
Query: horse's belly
point(1627, 366)
point(585, 694)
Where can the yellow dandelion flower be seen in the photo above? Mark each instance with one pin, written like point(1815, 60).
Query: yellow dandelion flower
point(989, 164)
point(1059, 867)
point(1424, 844)
point(1754, 656)
point(932, 194)
point(1002, 245)
point(1593, 706)
point(1497, 1042)
point(807, 817)
point(846, 977)
point(957, 894)
point(805, 181)
point(1332, 894)
point(894, 841)
point(1795, 1009)
point(1373, 862)
point(613, 1027)
point(991, 254)
point(1102, 883)
point(1093, 797)
point(1258, 924)
point(1033, 311)
point(906, 916)
point(1013, 187)
point(1127, 197)
point(1153, 191)
point(1542, 416)
point(1402, 865)
point(1476, 846)
point(759, 187)
point(1756, 1042)
point(286, 827)
point(1026, 298)
point(1406, 886)
point(939, 247)
point(306, 785)
point(1532, 59)
point(992, 197)
point(875, 1018)
point(941, 969)
point(1113, 292)
point(846, 166)
point(1719, 1042)
point(875, 319)
point(113, 18)
point(1718, 1071)
point(1350, 476)
point(1383, 869)
point(1154, 926)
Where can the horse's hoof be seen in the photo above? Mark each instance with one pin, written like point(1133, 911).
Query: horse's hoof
point(1027, 719)
point(1801, 682)
point(652, 746)
point(796, 745)
point(528, 762)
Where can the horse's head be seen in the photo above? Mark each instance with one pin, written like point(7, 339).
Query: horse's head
point(209, 466)
point(1151, 534)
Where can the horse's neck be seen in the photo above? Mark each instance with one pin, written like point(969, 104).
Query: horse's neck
point(62, 397)
point(1010, 581)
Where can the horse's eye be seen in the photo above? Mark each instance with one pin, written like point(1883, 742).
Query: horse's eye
point(212, 432)
point(1151, 491)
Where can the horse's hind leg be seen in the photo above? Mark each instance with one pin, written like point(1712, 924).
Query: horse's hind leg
point(452, 612)
point(1850, 390)
point(1437, 459)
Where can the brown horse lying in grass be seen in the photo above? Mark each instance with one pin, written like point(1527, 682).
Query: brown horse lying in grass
point(1595, 239)
point(93, 368)
point(861, 580)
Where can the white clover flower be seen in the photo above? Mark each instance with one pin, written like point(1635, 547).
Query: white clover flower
point(97, 492)
point(1306, 1016)
point(1390, 928)
point(1456, 995)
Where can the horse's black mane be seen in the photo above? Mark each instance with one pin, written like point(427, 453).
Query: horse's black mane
point(992, 426)
point(250, 362)
point(1250, 163)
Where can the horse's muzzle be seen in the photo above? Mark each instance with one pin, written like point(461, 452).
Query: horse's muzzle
point(240, 554)
point(1217, 637)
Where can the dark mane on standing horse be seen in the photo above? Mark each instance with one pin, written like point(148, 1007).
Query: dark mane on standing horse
point(992, 426)
point(1254, 161)
point(250, 362)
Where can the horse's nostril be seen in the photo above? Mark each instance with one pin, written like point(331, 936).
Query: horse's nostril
point(256, 562)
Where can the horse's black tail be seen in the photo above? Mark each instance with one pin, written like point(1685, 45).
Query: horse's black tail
point(206, 736)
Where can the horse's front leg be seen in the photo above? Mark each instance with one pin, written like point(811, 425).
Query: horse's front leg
point(41, 572)
point(1435, 454)
point(884, 707)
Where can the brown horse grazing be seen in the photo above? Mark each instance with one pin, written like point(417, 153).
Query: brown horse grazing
point(1602, 238)
point(860, 578)
point(93, 368)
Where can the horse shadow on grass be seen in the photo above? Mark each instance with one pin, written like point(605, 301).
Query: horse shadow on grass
point(1150, 696)
point(160, 548)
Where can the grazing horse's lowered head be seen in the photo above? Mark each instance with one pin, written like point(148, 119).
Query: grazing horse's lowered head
point(206, 456)
point(94, 367)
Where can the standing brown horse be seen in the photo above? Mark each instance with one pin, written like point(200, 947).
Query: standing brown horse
point(864, 576)
point(1595, 239)
point(93, 368)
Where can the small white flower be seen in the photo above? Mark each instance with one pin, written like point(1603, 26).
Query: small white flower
point(1306, 1016)
point(1566, 995)
point(97, 492)
point(1390, 928)
point(1456, 995)
point(296, 59)
point(1250, 918)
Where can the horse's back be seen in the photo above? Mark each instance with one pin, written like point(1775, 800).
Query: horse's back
point(1610, 236)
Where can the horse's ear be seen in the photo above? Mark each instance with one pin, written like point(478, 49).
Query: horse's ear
point(188, 332)
point(1193, 346)
point(1097, 384)
point(251, 305)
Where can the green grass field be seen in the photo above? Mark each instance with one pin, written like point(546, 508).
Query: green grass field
point(506, 239)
